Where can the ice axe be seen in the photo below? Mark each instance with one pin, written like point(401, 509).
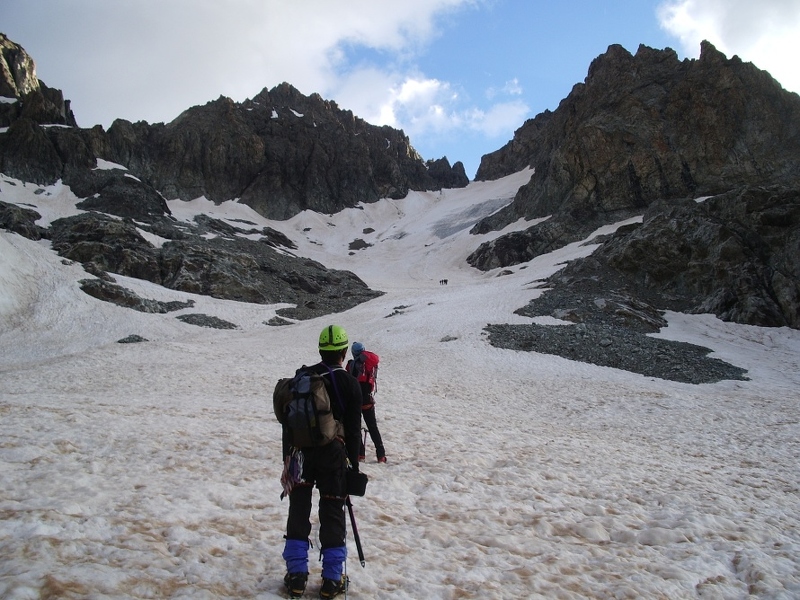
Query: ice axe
point(355, 531)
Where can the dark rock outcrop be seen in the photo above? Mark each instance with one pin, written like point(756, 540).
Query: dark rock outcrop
point(618, 347)
point(116, 294)
point(42, 154)
point(22, 221)
point(447, 176)
point(229, 266)
point(32, 98)
point(734, 255)
point(640, 129)
point(115, 193)
point(207, 321)
point(108, 244)
point(132, 339)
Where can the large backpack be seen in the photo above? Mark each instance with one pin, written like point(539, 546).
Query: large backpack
point(302, 404)
point(365, 368)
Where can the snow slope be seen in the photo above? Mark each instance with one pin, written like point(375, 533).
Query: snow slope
point(151, 470)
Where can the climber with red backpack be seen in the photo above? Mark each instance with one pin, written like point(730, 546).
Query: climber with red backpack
point(364, 367)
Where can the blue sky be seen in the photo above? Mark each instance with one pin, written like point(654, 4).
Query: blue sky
point(458, 76)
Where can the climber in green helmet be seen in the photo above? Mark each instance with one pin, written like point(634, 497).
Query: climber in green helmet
point(324, 466)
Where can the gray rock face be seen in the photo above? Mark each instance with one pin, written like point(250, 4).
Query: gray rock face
point(112, 192)
point(640, 129)
point(229, 266)
point(34, 100)
point(645, 134)
point(17, 70)
point(447, 176)
point(22, 221)
point(43, 155)
point(110, 292)
point(281, 152)
point(734, 255)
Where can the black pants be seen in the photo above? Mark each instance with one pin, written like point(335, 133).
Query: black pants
point(374, 434)
point(324, 467)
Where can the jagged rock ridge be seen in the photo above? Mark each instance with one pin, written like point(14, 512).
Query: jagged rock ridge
point(32, 99)
point(639, 129)
point(648, 134)
point(280, 152)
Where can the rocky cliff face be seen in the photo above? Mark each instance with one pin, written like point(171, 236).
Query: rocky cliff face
point(733, 255)
point(644, 128)
point(650, 134)
point(26, 96)
point(17, 70)
point(280, 152)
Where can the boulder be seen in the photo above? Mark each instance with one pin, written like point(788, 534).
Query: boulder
point(22, 221)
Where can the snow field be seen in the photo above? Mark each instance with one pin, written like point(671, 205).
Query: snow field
point(151, 470)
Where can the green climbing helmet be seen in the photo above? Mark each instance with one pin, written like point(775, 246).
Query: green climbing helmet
point(333, 337)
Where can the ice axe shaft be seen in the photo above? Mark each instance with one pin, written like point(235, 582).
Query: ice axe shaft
point(355, 531)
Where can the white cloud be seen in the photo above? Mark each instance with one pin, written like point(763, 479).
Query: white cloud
point(144, 60)
point(418, 104)
point(511, 87)
point(425, 107)
point(766, 33)
point(500, 119)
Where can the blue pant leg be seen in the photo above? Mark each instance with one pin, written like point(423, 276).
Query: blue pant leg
point(333, 562)
point(295, 553)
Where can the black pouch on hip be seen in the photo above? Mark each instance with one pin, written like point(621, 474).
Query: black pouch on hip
point(356, 483)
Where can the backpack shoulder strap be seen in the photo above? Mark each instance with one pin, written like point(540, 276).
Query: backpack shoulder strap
point(335, 387)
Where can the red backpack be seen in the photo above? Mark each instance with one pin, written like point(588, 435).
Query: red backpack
point(365, 368)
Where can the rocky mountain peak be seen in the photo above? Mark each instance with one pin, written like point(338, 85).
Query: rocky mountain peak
point(641, 135)
point(17, 70)
point(280, 152)
point(32, 98)
point(647, 127)
point(710, 54)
